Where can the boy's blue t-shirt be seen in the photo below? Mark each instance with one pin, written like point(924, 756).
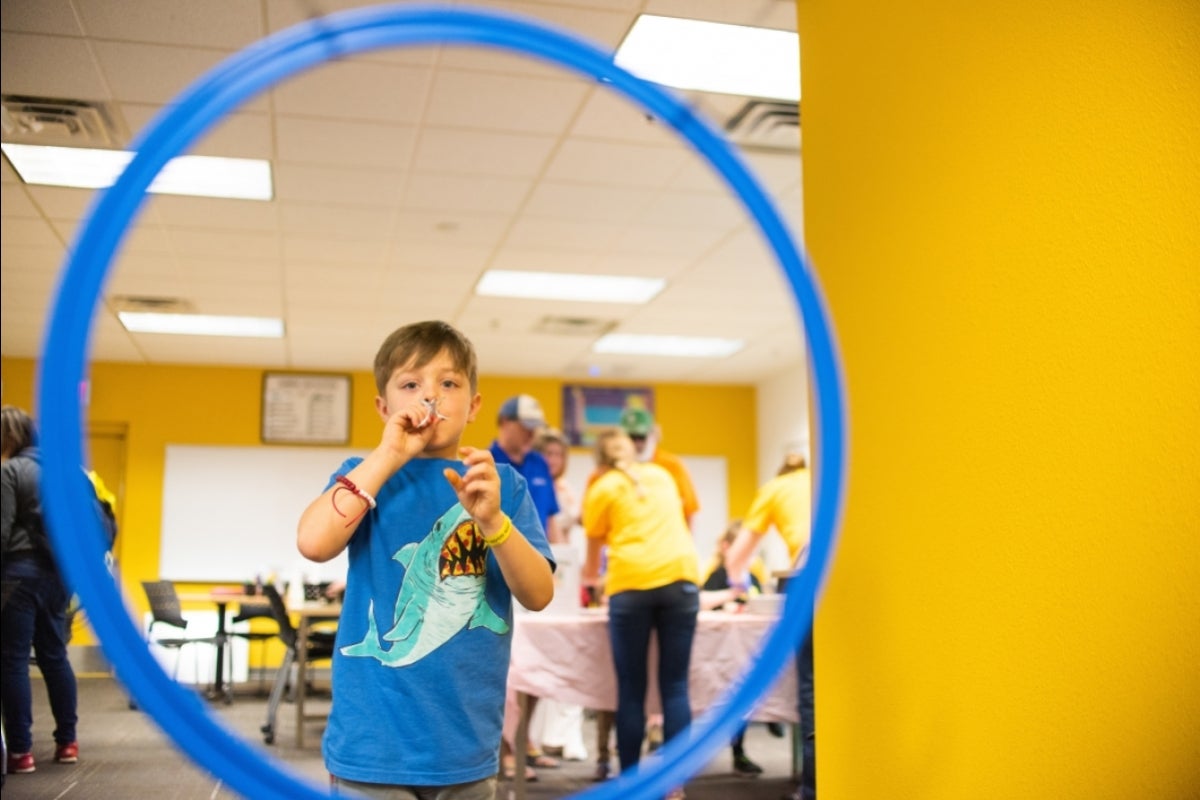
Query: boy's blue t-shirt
point(422, 651)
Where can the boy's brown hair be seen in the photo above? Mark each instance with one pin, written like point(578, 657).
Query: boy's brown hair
point(418, 343)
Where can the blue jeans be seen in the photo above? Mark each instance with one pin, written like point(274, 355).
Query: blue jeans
point(804, 691)
point(35, 616)
point(670, 612)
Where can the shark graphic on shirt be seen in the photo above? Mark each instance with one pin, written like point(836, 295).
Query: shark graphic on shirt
point(441, 594)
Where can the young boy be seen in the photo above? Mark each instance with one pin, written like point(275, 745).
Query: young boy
point(441, 540)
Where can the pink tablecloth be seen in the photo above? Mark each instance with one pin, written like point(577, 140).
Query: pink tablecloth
point(568, 658)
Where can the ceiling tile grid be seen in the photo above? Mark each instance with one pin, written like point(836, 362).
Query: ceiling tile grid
point(399, 177)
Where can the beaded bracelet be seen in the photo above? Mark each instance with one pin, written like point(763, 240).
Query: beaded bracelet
point(357, 492)
point(500, 538)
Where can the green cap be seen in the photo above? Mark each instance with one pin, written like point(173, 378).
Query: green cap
point(637, 422)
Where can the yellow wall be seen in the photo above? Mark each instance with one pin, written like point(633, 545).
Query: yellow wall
point(1003, 204)
point(220, 406)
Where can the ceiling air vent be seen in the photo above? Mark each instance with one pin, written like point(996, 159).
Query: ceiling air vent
point(574, 326)
point(766, 125)
point(55, 121)
point(150, 304)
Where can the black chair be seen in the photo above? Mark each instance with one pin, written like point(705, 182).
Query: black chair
point(320, 646)
point(245, 614)
point(165, 610)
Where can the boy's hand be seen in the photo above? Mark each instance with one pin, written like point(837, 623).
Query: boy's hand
point(479, 488)
point(409, 430)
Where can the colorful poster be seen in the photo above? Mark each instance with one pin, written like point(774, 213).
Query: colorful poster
point(589, 409)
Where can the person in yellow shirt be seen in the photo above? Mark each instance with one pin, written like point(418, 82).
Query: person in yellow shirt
point(652, 583)
point(646, 436)
point(785, 504)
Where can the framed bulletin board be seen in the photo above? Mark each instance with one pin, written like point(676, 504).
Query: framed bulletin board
point(301, 408)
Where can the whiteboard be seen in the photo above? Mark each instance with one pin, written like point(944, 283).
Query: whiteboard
point(710, 476)
point(230, 513)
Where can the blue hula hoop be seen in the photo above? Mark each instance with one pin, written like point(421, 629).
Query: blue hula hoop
point(75, 531)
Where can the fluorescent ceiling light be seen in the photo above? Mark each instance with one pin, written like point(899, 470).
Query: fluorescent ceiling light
point(684, 346)
point(85, 168)
point(713, 57)
point(201, 324)
point(566, 286)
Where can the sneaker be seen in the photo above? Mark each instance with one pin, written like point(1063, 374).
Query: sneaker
point(67, 753)
point(744, 766)
point(20, 763)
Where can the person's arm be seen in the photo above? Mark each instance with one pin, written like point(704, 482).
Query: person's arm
point(738, 557)
point(595, 528)
point(329, 521)
point(554, 531)
point(8, 508)
point(591, 565)
point(525, 570)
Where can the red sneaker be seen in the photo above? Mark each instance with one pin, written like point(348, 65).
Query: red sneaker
point(67, 753)
point(19, 763)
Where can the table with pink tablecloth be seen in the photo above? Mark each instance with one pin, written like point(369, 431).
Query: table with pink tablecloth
point(567, 657)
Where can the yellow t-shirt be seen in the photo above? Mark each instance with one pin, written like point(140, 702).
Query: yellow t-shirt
point(649, 544)
point(674, 465)
point(785, 501)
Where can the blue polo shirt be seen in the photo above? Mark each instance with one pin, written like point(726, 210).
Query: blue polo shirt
point(536, 473)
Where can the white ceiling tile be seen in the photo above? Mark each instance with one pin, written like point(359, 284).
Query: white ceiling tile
point(146, 238)
point(140, 284)
point(181, 211)
point(26, 259)
point(320, 184)
point(25, 232)
point(583, 203)
point(40, 16)
point(16, 203)
point(609, 115)
point(23, 284)
point(58, 202)
point(567, 235)
point(615, 163)
point(320, 220)
point(235, 245)
point(535, 260)
point(156, 74)
point(451, 151)
point(460, 193)
point(690, 210)
point(504, 103)
point(656, 266)
point(338, 142)
point(222, 350)
point(394, 191)
point(228, 24)
point(244, 134)
point(287, 13)
point(439, 259)
point(297, 249)
point(50, 66)
point(457, 228)
point(350, 90)
point(682, 242)
point(130, 266)
point(216, 269)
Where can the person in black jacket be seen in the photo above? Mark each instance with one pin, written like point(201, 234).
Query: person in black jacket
point(35, 610)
